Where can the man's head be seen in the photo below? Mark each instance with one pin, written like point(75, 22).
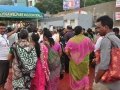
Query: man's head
point(116, 30)
point(104, 24)
point(69, 27)
point(2, 28)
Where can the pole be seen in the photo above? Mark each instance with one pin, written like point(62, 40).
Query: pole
point(84, 3)
point(37, 23)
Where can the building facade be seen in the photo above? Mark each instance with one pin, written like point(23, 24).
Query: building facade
point(72, 19)
point(33, 2)
point(6, 2)
point(108, 8)
point(20, 2)
point(52, 21)
point(85, 20)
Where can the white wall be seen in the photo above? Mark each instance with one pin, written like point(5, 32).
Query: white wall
point(84, 20)
point(72, 22)
point(71, 19)
point(51, 23)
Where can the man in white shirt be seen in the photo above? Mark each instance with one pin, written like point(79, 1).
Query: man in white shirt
point(4, 50)
point(56, 36)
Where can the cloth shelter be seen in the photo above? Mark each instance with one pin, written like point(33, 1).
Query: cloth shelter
point(23, 12)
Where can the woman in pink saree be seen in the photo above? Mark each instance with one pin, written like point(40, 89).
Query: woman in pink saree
point(53, 60)
point(41, 77)
point(78, 49)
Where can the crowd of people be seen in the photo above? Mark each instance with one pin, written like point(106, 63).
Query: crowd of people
point(40, 58)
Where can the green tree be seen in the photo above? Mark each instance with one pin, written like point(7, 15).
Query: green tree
point(52, 6)
point(92, 2)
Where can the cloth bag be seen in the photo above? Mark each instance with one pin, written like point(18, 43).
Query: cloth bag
point(113, 73)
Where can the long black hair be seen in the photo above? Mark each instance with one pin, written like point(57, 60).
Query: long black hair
point(35, 38)
point(48, 35)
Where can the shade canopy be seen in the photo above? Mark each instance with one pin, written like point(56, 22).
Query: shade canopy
point(8, 11)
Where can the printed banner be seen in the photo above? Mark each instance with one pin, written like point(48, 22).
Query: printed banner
point(117, 3)
point(20, 15)
point(71, 4)
point(117, 15)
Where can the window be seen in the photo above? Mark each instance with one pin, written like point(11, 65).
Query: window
point(30, 3)
point(72, 23)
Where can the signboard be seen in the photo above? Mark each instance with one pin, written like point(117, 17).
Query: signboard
point(117, 15)
point(20, 15)
point(117, 3)
point(71, 4)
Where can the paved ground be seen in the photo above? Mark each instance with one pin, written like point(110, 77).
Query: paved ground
point(8, 85)
point(64, 83)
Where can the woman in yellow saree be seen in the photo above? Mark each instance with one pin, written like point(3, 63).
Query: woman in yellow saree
point(78, 49)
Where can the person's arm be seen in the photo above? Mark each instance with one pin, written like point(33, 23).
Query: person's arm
point(12, 32)
point(105, 59)
point(98, 43)
point(11, 54)
point(99, 75)
point(67, 51)
point(60, 50)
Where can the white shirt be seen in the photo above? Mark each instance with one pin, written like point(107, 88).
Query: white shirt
point(97, 47)
point(41, 38)
point(98, 43)
point(56, 37)
point(4, 47)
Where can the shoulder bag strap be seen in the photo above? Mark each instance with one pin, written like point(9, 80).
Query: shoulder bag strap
point(17, 56)
point(112, 45)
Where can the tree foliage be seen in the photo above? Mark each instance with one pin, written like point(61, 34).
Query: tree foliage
point(92, 2)
point(52, 6)
point(55, 6)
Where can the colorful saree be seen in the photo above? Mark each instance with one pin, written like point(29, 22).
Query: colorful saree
point(79, 48)
point(24, 64)
point(42, 71)
point(54, 73)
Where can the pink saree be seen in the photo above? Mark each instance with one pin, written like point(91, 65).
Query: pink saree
point(42, 71)
point(79, 48)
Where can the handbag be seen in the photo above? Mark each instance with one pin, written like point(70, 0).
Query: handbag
point(113, 72)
